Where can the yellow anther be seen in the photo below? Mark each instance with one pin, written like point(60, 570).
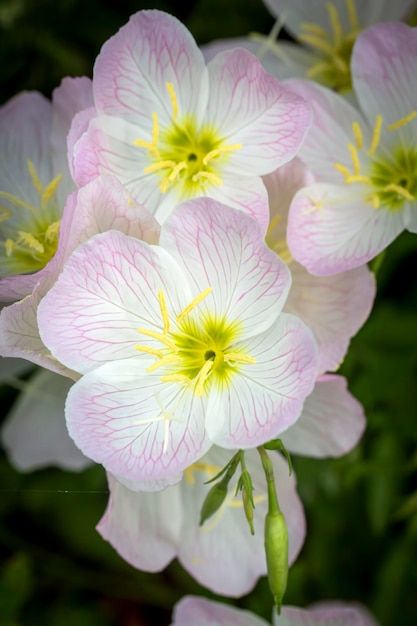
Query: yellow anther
point(358, 179)
point(209, 470)
point(318, 43)
point(342, 169)
point(238, 358)
point(317, 68)
point(375, 201)
point(353, 17)
point(164, 310)
point(5, 213)
point(195, 302)
point(207, 176)
point(202, 377)
point(399, 190)
point(355, 159)
point(159, 337)
point(10, 246)
point(161, 165)
point(176, 378)
point(173, 97)
point(30, 241)
point(314, 29)
point(403, 121)
point(17, 201)
point(222, 149)
point(177, 169)
point(50, 190)
point(34, 176)
point(149, 350)
point(335, 23)
point(358, 135)
point(376, 135)
point(165, 360)
point(52, 231)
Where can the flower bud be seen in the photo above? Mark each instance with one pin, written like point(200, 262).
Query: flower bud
point(276, 548)
point(213, 501)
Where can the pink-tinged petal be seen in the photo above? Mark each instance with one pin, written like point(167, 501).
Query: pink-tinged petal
point(330, 132)
point(331, 423)
point(264, 398)
point(384, 75)
point(19, 335)
point(250, 107)
point(151, 485)
point(14, 288)
point(85, 168)
point(34, 433)
point(333, 307)
point(325, 614)
point(72, 96)
point(191, 611)
point(134, 66)
point(221, 554)
point(138, 427)
point(142, 527)
point(222, 248)
point(106, 291)
point(331, 228)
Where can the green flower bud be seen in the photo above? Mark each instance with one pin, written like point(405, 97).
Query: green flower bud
point(213, 501)
point(276, 548)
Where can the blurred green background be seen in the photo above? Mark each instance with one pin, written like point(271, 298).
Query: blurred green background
point(361, 509)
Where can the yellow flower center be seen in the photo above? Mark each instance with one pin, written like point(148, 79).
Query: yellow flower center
point(198, 351)
point(333, 48)
point(184, 155)
point(391, 178)
point(29, 232)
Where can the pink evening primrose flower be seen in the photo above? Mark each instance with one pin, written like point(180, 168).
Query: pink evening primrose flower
point(181, 345)
point(364, 161)
point(171, 128)
point(34, 181)
point(191, 611)
point(102, 205)
point(333, 307)
point(149, 530)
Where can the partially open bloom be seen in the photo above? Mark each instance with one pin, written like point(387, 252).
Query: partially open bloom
point(150, 529)
point(34, 181)
point(327, 32)
point(364, 162)
point(180, 345)
point(333, 307)
point(171, 128)
point(191, 611)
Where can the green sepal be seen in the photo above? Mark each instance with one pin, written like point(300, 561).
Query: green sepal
point(276, 444)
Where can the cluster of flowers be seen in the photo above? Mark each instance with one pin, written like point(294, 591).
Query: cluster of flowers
point(184, 243)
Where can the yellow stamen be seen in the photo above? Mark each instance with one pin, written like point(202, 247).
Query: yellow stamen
point(358, 179)
point(210, 470)
point(50, 190)
point(355, 159)
point(313, 28)
point(149, 350)
point(213, 153)
point(358, 135)
point(238, 358)
point(376, 135)
point(335, 23)
point(318, 43)
point(195, 302)
point(403, 121)
point(161, 165)
point(173, 97)
point(317, 68)
point(159, 336)
point(202, 377)
point(341, 168)
point(375, 201)
point(399, 190)
point(17, 201)
point(175, 378)
point(52, 231)
point(30, 240)
point(5, 213)
point(177, 169)
point(34, 176)
point(164, 310)
point(274, 222)
point(208, 176)
point(10, 246)
point(165, 360)
point(353, 18)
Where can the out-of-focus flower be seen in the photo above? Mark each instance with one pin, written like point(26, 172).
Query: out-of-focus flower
point(181, 345)
point(150, 529)
point(34, 181)
point(364, 162)
point(171, 128)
